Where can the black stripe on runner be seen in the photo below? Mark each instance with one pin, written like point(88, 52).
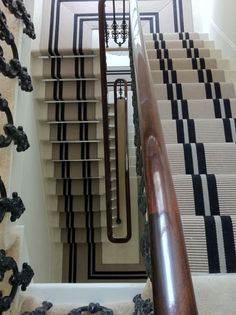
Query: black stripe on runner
point(217, 90)
point(181, 16)
point(198, 195)
point(174, 76)
point(196, 52)
point(229, 244)
point(165, 75)
point(170, 94)
point(175, 12)
point(170, 64)
point(50, 39)
point(212, 247)
point(159, 56)
point(60, 83)
point(63, 169)
point(180, 131)
point(213, 194)
point(191, 43)
point(191, 131)
point(53, 61)
point(202, 63)
point(201, 158)
point(188, 158)
point(61, 151)
point(184, 104)
point(227, 130)
point(163, 44)
point(227, 107)
point(156, 44)
point(174, 109)
point(179, 91)
point(194, 63)
point(162, 64)
point(217, 108)
point(189, 53)
point(200, 76)
point(208, 90)
point(64, 132)
point(58, 132)
point(166, 53)
point(209, 75)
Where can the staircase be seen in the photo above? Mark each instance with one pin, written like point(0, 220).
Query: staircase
point(70, 128)
point(196, 99)
point(197, 103)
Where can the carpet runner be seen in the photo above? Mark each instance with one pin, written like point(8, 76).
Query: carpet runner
point(196, 100)
point(196, 97)
point(71, 131)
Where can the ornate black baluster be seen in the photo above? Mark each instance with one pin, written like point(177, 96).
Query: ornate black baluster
point(17, 135)
point(119, 33)
point(92, 308)
point(12, 69)
point(12, 205)
point(18, 279)
point(17, 8)
point(143, 307)
point(40, 310)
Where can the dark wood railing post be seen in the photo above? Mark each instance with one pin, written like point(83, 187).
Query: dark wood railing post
point(171, 279)
point(118, 85)
point(103, 70)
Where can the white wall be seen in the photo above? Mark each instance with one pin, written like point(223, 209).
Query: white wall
point(26, 174)
point(217, 18)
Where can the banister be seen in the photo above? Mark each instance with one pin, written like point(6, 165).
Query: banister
point(117, 84)
point(103, 68)
point(171, 279)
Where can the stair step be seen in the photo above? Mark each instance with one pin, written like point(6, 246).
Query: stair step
point(194, 109)
point(188, 64)
point(206, 194)
point(192, 76)
point(175, 36)
point(184, 53)
point(75, 187)
point(194, 91)
point(57, 68)
point(175, 44)
point(202, 158)
point(199, 130)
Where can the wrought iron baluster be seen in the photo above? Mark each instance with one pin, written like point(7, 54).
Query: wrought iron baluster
point(12, 205)
point(17, 8)
point(14, 68)
point(17, 135)
point(42, 310)
point(18, 279)
point(142, 307)
point(119, 33)
point(92, 308)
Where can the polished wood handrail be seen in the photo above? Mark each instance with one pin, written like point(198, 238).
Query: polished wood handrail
point(171, 279)
point(103, 71)
point(126, 175)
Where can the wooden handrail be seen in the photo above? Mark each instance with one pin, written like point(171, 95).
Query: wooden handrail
point(103, 70)
point(126, 161)
point(172, 284)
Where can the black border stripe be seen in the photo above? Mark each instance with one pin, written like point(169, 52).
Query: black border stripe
point(212, 247)
point(229, 244)
point(213, 194)
point(198, 195)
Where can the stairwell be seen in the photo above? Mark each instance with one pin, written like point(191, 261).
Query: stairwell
point(195, 91)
